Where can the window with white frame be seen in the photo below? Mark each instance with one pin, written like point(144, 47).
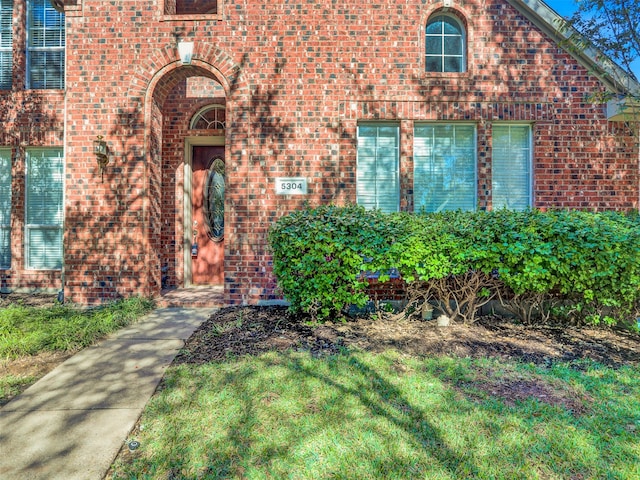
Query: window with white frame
point(444, 167)
point(45, 46)
point(378, 184)
point(5, 208)
point(511, 167)
point(445, 44)
point(6, 44)
point(44, 209)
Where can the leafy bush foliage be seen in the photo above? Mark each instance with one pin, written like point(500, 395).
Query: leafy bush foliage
point(319, 254)
point(573, 266)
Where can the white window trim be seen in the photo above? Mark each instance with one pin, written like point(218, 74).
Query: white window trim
point(475, 154)
point(29, 226)
point(530, 160)
point(29, 50)
point(397, 169)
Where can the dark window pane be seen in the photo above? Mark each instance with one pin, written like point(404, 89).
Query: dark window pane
point(214, 201)
point(453, 46)
point(434, 45)
point(453, 64)
point(444, 45)
point(434, 27)
point(451, 26)
point(434, 64)
point(191, 7)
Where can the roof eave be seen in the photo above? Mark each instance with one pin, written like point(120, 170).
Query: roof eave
point(612, 76)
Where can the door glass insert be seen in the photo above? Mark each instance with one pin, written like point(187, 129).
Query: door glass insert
point(214, 200)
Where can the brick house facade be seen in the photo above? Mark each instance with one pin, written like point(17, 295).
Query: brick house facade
point(393, 104)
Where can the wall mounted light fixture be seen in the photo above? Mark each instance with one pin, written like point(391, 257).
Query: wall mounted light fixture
point(58, 5)
point(101, 151)
point(185, 50)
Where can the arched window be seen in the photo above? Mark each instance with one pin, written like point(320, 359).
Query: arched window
point(445, 44)
point(211, 117)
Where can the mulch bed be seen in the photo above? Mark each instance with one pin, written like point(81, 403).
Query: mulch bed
point(248, 330)
point(239, 331)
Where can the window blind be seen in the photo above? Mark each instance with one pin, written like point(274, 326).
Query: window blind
point(444, 162)
point(46, 41)
point(511, 167)
point(6, 44)
point(378, 184)
point(5, 208)
point(44, 208)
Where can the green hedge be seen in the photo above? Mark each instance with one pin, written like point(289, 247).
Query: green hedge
point(318, 255)
point(572, 265)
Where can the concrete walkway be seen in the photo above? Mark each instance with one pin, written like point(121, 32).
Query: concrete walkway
point(72, 423)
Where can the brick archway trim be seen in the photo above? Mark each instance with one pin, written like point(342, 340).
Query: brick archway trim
point(160, 64)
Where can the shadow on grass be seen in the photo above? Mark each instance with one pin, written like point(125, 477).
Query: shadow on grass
point(386, 405)
point(357, 414)
point(273, 415)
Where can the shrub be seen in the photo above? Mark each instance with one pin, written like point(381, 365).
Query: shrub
point(439, 260)
point(578, 266)
point(319, 254)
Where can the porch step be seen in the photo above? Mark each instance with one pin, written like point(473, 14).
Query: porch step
point(200, 297)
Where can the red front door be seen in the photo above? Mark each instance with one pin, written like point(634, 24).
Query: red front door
point(207, 201)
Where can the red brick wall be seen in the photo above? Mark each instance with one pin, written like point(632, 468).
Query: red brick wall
point(298, 77)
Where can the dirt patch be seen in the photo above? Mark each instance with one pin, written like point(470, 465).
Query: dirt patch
point(514, 387)
point(236, 331)
point(35, 366)
point(28, 299)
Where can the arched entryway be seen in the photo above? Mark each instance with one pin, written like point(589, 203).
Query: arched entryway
point(187, 176)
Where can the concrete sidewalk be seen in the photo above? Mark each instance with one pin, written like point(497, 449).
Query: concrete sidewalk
point(72, 423)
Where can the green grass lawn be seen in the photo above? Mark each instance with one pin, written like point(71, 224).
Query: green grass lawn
point(12, 385)
point(31, 330)
point(359, 415)
point(28, 331)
